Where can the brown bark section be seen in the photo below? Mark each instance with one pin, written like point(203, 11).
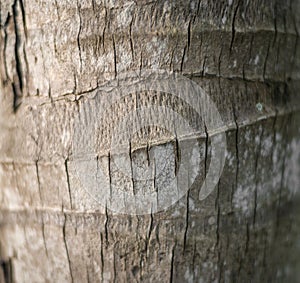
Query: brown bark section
point(54, 56)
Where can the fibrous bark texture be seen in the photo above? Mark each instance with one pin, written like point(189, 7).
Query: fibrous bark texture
point(57, 56)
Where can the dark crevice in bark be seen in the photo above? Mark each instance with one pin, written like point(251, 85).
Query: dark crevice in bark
point(172, 264)
point(106, 225)
point(17, 84)
point(75, 85)
point(242, 78)
point(68, 182)
point(49, 93)
point(186, 220)
point(130, 39)
point(104, 29)
point(182, 59)
point(109, 175)
point(44, 238)
point(218, 227)
point(236, 150)
point(57, 11)
point(94, 6)
point(141, 62)
point(198, 6)
point(38, 181)
point(233, 26)
point(206, 150)
point(198, 74)
point(247, 239)
point(150, 229)
point(219, 64)
point(171, 60)
point(7, 269)
point(66, 248)
point(131, 169)
point(6, 24)
point(78, 35)
point(148, 154)
point(155, 187)
point(177, 156)
point(203, 68)
point(266, 60)
point(189, 35)
point(115, 56)
point(102, 256)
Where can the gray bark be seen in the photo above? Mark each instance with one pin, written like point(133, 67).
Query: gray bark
point(56, 55)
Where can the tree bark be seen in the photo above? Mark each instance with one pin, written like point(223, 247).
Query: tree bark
point(56, 56)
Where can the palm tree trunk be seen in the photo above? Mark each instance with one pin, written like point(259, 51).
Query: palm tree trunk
point(56, 61)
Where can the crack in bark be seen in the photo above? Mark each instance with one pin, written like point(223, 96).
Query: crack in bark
point(148, 236)
point(141, 62)
point(17, 84)
point(68, 182)
point(218, 227)
point(233, 26)
point(115, 57)
point(109, 174)
point(44, 239)
point(38, 181)
point(78, 34)
point(203, 68)
point(177, 156)
point(189, 35)
point(57, 10)
point(66, 248)
point(247, 238)
point(130, 38)
point(106, 225)
point(104, 29)
point(102, 257)
point(172, 264)
point(131, 169)
point(7, 269)
point(219, 64)
point(266, 60)
point(186, 220)
point(6, 24)
point(206, 149)
point(236, 150)
point(182, 59)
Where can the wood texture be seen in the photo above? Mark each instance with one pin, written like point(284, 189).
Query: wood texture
point(56, 55)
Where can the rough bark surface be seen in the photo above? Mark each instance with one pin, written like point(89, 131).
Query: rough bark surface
point(56, 55)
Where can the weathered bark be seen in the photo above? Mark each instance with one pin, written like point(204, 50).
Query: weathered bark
point(55, 55)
